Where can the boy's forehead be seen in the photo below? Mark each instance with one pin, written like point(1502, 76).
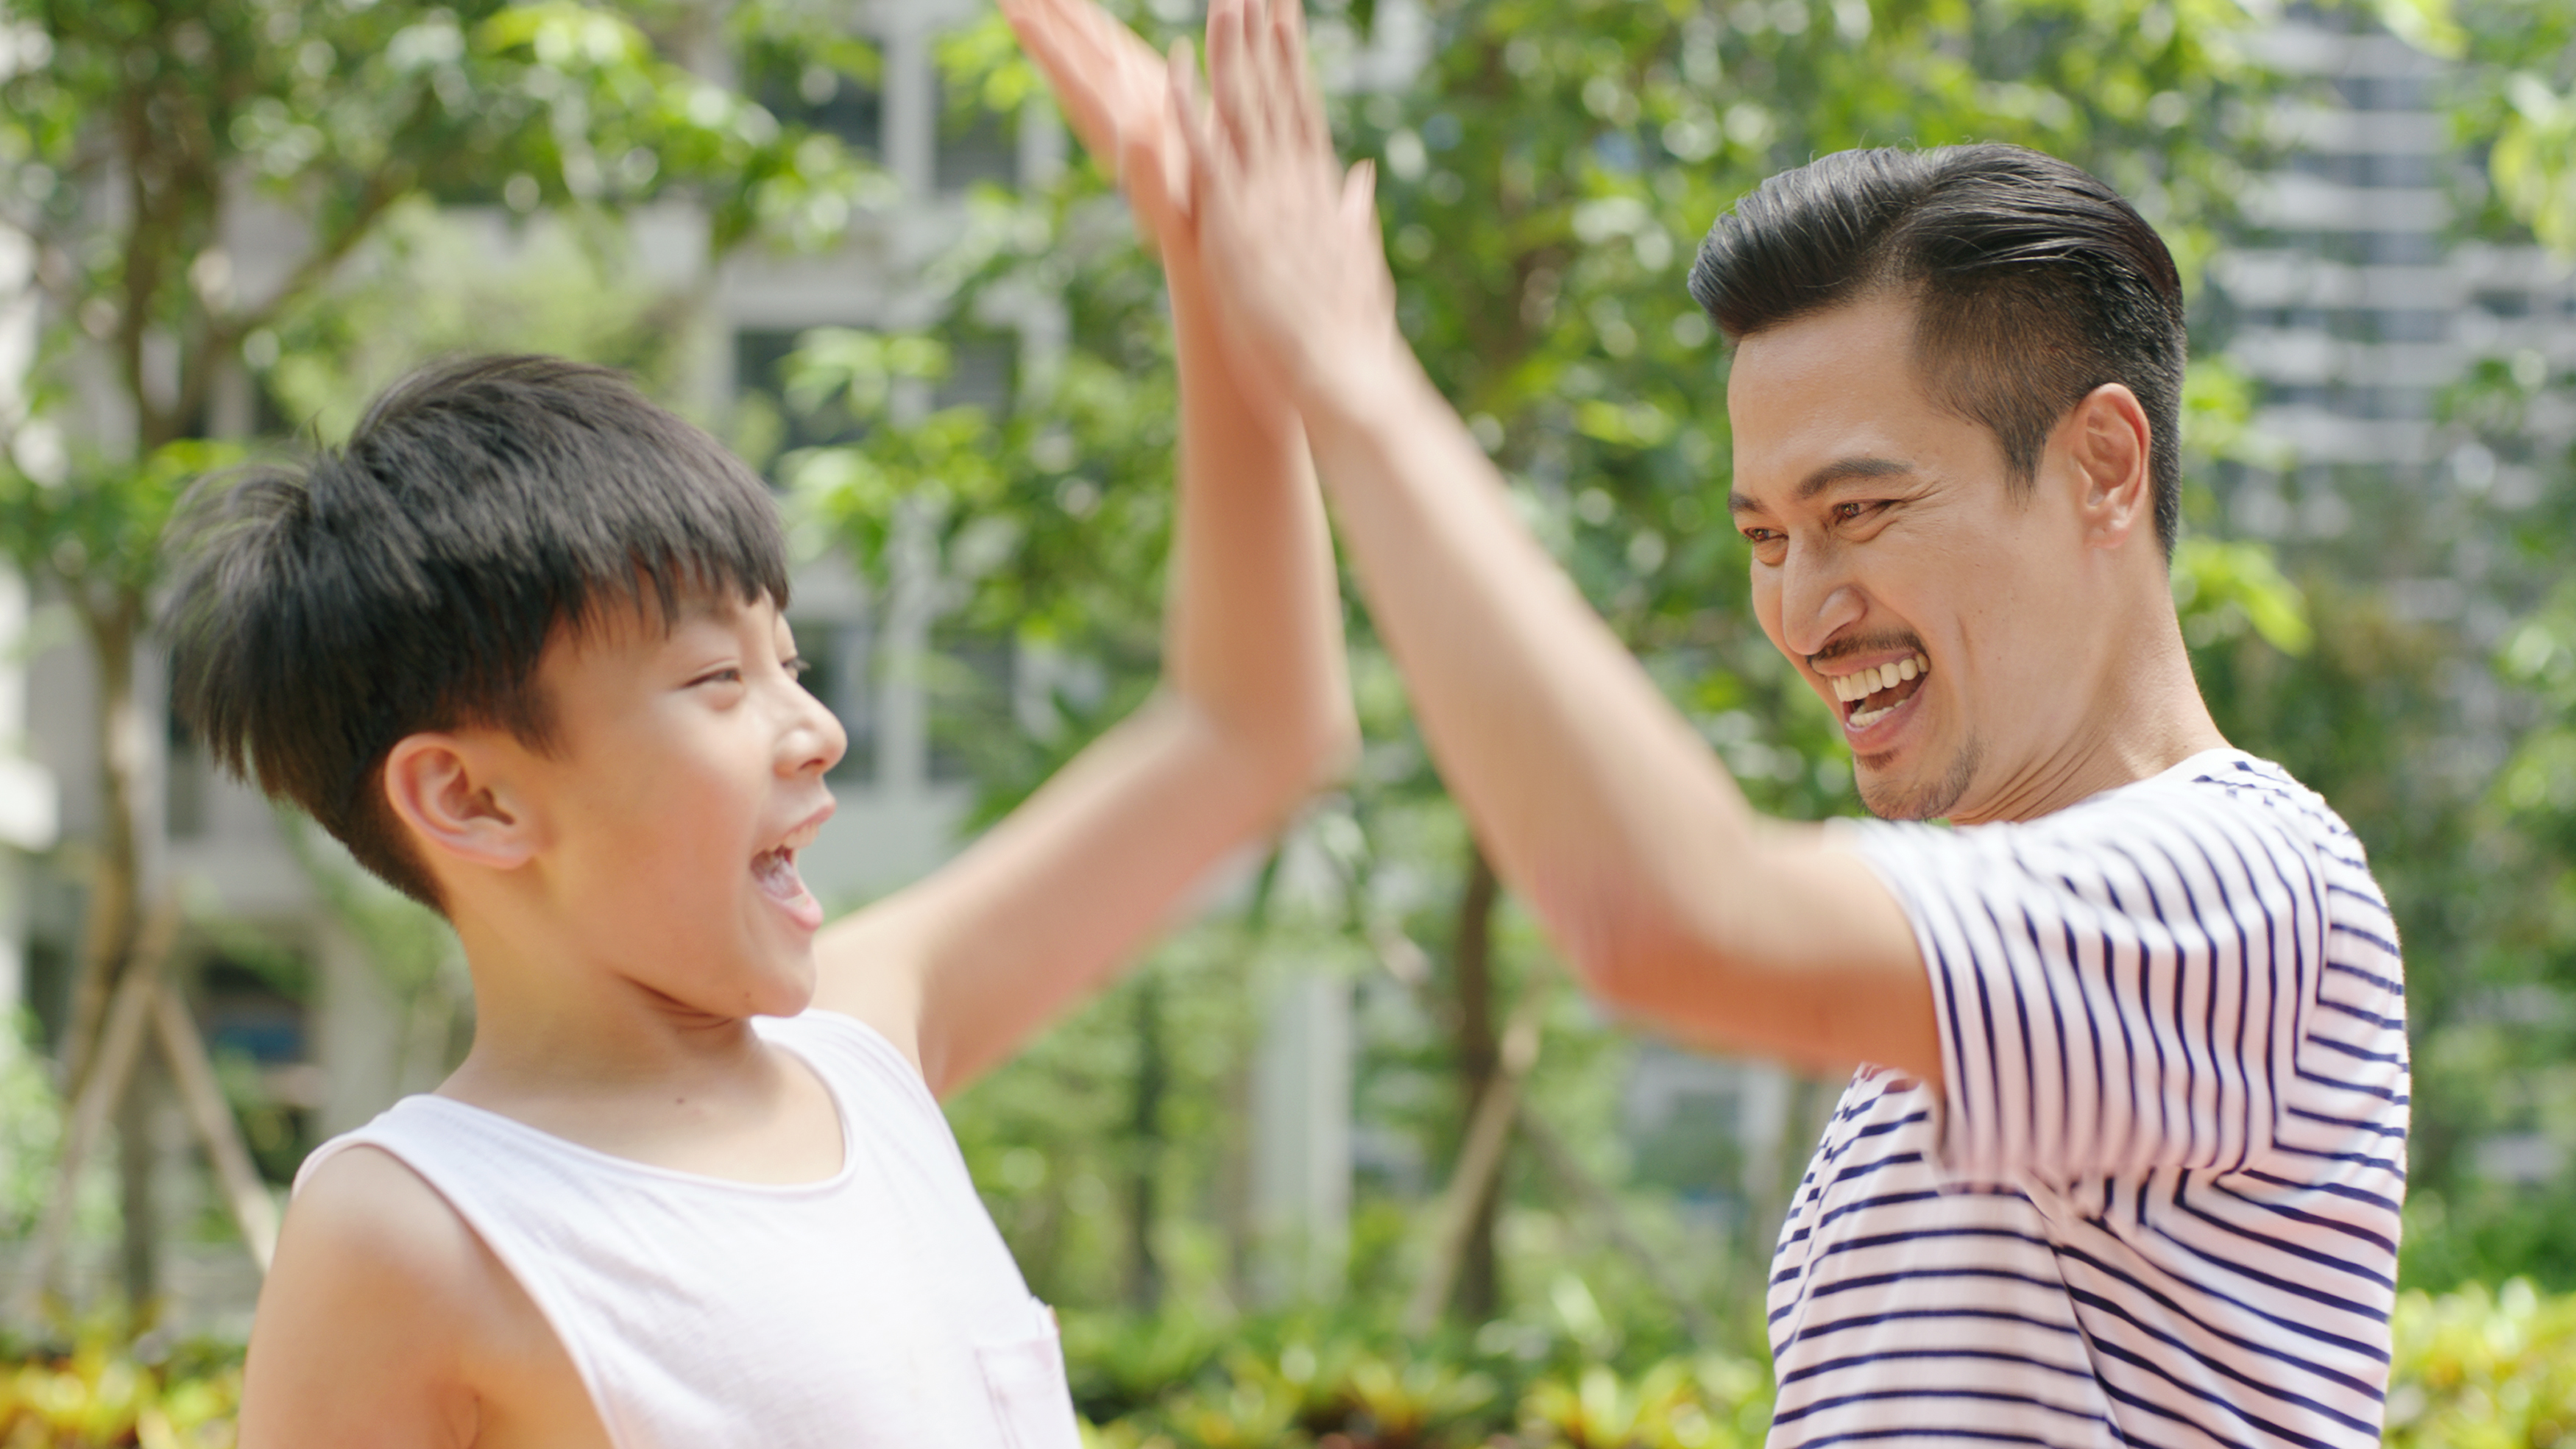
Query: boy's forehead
point(642, 619)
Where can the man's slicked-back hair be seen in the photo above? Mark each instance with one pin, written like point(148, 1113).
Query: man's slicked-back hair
point(2032, 282)
point(410, 580)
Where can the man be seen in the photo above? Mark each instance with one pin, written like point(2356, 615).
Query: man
point(2124, 1158)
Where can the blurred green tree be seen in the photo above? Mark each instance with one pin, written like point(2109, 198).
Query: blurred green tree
point(139, 139)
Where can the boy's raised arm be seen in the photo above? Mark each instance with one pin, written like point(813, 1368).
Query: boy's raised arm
point(1254, 711)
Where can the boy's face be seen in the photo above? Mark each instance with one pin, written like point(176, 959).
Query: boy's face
point(687, 771)
point(1885, 532)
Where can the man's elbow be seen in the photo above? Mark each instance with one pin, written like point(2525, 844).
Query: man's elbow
point(1637, 952)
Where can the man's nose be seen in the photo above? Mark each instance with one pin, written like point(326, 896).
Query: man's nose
point(1818, 598)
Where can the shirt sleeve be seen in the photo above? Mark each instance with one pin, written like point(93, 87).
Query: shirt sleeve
point(2120, 987)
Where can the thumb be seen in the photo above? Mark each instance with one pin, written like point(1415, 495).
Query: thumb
point(1359, 200)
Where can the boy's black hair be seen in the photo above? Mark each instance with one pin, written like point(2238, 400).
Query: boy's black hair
point(2033, 284)
point(410, 580)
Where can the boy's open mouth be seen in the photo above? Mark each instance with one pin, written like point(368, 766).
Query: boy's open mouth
point(774, 869)
point(1871, 695)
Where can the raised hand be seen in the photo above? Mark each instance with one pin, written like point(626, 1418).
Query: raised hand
point(1289, 239)
point(1116, 96)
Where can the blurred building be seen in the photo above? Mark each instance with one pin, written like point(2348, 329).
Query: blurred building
point(2354, 306)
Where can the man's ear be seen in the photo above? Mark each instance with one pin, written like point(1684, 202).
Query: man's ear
point(2109, 448)
point(451, 792)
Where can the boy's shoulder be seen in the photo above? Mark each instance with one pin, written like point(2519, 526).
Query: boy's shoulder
point(363, 1202)
point(363, 1234)
point(385, 1308)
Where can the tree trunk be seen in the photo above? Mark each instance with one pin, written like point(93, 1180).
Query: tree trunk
point(1479, 1050)
point(115, 920)
point(107, 936)
point(1153, 1072)
point(138, 1150)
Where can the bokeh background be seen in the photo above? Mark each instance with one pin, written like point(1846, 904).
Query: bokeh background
point(852, 239)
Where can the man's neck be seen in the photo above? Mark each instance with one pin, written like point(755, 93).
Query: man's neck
point(2145, 716)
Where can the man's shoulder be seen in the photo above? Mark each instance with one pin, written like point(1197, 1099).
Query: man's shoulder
point(2216, 819)
point(2217, 793)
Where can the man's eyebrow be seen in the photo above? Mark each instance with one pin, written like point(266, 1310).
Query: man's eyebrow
point(1835, 472)
point(1824, 478)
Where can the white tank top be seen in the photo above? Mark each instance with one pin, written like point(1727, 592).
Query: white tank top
point(878, 1307)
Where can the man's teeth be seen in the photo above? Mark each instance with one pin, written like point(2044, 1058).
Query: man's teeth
point(1861, 684)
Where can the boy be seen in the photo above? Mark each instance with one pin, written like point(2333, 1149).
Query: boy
point(519, 645)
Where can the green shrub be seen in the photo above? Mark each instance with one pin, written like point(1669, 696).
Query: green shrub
point(2481, 1369)
point(2477, 1368)
point(96, 1397)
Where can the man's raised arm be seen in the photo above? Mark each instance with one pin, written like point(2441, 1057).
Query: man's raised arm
point(1595, 798)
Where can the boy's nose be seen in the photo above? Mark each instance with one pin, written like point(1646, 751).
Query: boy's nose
point(815, 739)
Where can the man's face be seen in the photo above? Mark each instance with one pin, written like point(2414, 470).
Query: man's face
point(1936, 613)
point(686, 773)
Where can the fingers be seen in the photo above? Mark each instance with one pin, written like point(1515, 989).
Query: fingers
point(1227, 63)
point(1207, 153)
point(1052, 34)
point(1306, 92)
point(1359, 197)
point(1259, 80)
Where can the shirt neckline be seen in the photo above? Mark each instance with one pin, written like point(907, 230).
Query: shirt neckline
point(512, 1126)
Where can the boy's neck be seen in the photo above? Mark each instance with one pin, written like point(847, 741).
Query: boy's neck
point(581, 1052)
point(554, 1026)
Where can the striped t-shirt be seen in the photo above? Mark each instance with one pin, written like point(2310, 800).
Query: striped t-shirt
point(2154, 1198)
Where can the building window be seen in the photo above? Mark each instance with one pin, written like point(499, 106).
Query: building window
point(977, 145)
point(766, 428)
point(805, 92)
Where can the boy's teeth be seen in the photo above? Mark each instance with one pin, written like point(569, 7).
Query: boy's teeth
point(775, 870)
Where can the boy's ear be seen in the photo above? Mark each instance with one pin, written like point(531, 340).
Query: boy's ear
point(450, 791)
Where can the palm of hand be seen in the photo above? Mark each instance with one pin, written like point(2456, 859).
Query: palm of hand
point(1292, 240)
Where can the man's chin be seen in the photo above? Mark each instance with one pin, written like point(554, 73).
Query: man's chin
point(1892, 793)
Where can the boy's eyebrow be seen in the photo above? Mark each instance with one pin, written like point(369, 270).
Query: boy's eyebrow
point(1824, 478)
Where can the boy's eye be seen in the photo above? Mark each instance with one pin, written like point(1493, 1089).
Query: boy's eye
point(797, 666)
point(730, 674)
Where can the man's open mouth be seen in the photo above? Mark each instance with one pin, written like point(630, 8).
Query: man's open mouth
point(1871, 695)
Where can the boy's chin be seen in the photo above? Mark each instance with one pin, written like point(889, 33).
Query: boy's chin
point(784, 997)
